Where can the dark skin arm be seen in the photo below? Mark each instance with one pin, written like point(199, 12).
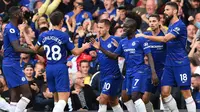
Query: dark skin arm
point(109, 54)
point(21, 49)
point(154, 78)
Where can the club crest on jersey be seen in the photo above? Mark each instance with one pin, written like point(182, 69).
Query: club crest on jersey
point(133, 44)
point(109, 45)
point(177, 29)
point(23, 79)
point(146, 44)
point(12, 30)
point(70, 40)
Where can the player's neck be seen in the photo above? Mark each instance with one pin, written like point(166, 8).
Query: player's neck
point(131, 36)
point(14, 23)
point(106, 36)
point(156, 32)
point(56, 27)
point(174, 20)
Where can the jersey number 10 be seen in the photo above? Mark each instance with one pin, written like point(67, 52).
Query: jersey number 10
point(55, 52)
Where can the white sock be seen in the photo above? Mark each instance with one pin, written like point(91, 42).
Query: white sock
point(4, 105)
point(171, 103)
point(149, 107)
point(69, 102)
point(60, 106)
point(12, 106)
point(117, 108)
point(190, 104)
point(130, 106)
point(21, 105)
point(140, 106)
point(55, 103)
point(102, 108)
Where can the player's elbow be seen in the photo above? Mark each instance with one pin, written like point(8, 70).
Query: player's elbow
point(76, 52)
point(164, 40)
point(17, 49)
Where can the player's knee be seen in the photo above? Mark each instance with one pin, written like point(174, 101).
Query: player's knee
point(125, 97)
point(28, 95)
point(135, 96)
point(145, 99)
point(165, 92)
point(103, 99)
point(186, 93)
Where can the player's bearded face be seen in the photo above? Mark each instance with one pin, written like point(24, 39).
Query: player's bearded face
point(168, 17)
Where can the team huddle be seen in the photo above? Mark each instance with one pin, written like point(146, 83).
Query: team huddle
point(168, 64)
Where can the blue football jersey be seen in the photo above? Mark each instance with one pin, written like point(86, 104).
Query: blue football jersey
point(134, 51)
point(158, 51)
point(56, 44)
point(108, 67)
point(11, 33)
point(176, 48)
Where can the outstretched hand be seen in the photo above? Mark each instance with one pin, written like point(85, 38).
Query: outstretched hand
point(86, 45)
point(95, 43)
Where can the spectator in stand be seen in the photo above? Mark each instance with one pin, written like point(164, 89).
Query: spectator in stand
point(94, 63)
point(196, 91)
point(141, 9)
point(26, 58)
point(191, 34)
point(44, 100)
point(4, 89)
point(120, 3)
point(93, 5)
point(150, 9)
point(82, 96)
point(191, 8)
point(78, 13)
point(39, 74)
point(28, 71)
point(109, 8)
point(84, 69)
point(195, 51)
point(118, 31)
point(195, 65)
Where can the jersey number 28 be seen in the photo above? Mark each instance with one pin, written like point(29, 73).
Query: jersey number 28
point(55, 52)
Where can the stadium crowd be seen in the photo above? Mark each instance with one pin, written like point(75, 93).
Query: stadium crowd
point(81, 19)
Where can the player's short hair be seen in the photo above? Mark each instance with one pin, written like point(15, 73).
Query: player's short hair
point(156, 16)
point(13, 11)
point(56, 17)
point(136, 17)
point(106, 22)
point(173, 4)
